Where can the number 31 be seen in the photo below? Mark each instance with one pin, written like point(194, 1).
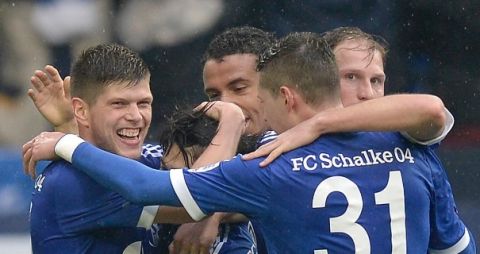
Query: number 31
point(392, 195)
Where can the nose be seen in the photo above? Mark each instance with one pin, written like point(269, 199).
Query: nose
point(365, 91)
point(133, 113)
point(226, 98)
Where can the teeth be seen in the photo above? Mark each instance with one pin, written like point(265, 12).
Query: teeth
point(129, 133)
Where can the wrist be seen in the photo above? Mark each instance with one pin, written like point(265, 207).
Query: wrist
point(68, 127)
point(234, 123)
point(218, 217)
point(66, 146)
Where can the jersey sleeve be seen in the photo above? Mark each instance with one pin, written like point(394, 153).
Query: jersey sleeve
point(77, 196)
point(133, 180)
point(448, 127)
point(228, 186)
point(448, 232)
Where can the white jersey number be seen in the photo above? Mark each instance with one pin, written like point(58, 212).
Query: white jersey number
point(391, 195)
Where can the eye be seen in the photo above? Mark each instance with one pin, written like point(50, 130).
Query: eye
point(351, 76)
point(213, 96)
point(239, 89)
point(118, 103)
point(145, 104)
point(377, 81)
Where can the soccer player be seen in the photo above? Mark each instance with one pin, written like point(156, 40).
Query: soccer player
point(112, 105)
point(361, 58)
point(229, 74)
point(50, 95)
point(362, 192)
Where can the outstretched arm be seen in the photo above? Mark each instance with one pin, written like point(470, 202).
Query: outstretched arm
point(422, 117)
point(131, 179)
point(51, 96)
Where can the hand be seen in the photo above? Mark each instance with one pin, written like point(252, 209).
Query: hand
point(41, 147)
point(300, 135)
point(195, 237)
point(51, 96)
point(222, 111)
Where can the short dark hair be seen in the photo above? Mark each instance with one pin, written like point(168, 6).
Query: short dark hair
point(194, 129)
point(338, 35)
point(303, 60)
point(100, 66)
point(238, 40)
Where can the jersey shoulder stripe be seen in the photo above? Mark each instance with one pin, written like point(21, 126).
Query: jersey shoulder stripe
point(266, 137)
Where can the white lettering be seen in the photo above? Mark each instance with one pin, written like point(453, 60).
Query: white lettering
point(296, 163)
point(325, 157)
point(313, 165)
point(388, 157)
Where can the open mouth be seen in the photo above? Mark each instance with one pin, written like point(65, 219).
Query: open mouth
point(129, 133)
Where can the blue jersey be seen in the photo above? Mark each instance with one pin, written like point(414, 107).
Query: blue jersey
point(71, 213)
point(344, 193)
point(233, 237)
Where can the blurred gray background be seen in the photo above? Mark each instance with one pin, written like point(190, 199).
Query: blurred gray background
point(435, 48)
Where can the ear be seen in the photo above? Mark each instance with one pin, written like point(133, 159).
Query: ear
point(288, 95)
point(81, 111)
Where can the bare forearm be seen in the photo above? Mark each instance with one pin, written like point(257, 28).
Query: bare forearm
point(421, 116)
point(224, 145)
point(172, 215)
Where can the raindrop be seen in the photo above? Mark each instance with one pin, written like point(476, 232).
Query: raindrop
point(13, 4)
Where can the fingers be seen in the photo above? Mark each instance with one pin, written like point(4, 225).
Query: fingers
point(261, 151)
point(31, 166)
point(32, 94)
point(27, 154)
point(28, 162)
point(37, 82)
point(54, 74)
point(66, 87)
point(272, 149)
point(271, 157)
point(43, 77)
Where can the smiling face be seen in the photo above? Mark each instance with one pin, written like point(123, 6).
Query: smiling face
point(119, 118)
point(361, 71)
point(234, 79)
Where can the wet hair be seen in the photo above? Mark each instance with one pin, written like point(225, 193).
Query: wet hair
point(103, 65)
point(338, 35)
point(238, 40)
point(192, 131)
point(303, 60)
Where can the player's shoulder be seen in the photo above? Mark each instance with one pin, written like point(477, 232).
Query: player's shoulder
point(151, 150)
point(151, 155)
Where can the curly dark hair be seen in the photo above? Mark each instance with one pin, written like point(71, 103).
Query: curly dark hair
point(100, 66)
point(194, 129)
point(238, 40)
